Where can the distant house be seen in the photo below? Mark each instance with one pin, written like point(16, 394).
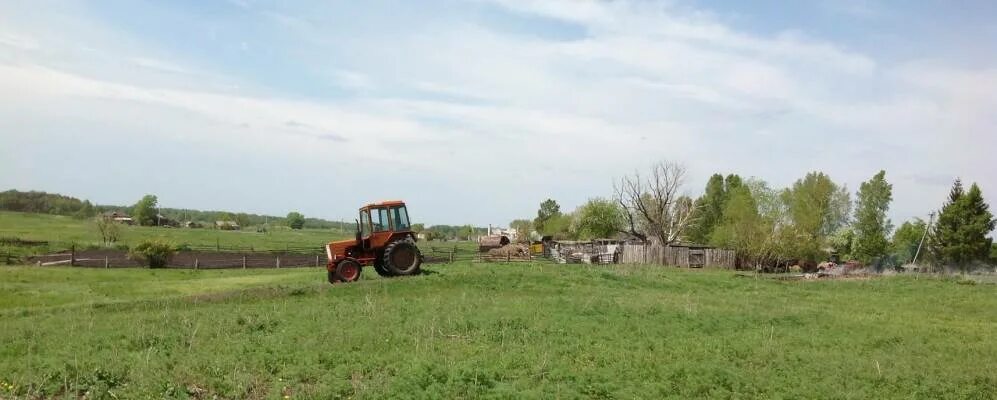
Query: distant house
point(162, 220)
point(227, 225)
point(118, 216)
point(510, 233)
point(192, 224)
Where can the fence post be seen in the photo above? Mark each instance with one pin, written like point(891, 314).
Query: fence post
point(243, 261)
point(196, 262)
point(508, 256)
point(278, 261)
point(452, 254)
point(218, 244)
point(106, 263)
point(72, 255)
point(316, 261)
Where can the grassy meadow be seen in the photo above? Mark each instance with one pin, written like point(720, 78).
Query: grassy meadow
point(63, 230)
point(491, 331)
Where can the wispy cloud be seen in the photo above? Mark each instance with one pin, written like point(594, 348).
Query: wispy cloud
point(469, 108)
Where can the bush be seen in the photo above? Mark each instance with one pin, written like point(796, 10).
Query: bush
point(155, 254)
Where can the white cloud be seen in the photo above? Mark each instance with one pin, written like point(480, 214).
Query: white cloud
point(467, 108)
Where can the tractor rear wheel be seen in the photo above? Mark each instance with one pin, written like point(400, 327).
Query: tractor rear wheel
point(381, 270)
point(402, 258)
point(347, 271)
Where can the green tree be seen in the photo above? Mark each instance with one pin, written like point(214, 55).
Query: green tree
point(959, 238)
point(741, 225)
point(906, 239)
point(417, 228)
point(843, 242)
point(548, 209)
point(295, 220)
point(242, 219)
point(709, 208)
point(109, 230)
point(599, 218)
point(816, 207)
point(871, 224)
point(561, 227)
point(466, 232)
point(523, 227)
point(144, 212)
point(86, 211)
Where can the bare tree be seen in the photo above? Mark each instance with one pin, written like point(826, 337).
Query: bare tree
point(652, 206)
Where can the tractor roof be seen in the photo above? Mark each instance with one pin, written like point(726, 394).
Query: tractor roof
point(387, 203)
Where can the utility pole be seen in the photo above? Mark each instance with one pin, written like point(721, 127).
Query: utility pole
point(931, 218)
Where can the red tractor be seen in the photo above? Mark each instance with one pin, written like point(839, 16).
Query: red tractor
point(384, 239)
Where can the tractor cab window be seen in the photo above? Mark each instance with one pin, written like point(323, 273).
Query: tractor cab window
point(400, 218)
point(364, 223)
point(379, 218)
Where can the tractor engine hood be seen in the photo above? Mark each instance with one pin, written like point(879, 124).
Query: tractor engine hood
point(338, 249)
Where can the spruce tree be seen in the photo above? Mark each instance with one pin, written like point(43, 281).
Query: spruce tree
point(979, 223)
point(959, 238)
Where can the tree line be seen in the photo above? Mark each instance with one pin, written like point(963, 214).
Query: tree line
point(813, 220)
point(146, 209)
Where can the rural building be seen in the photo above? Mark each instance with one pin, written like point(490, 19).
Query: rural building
point(162, 220)
point(510, 233)
point(118, 216)
point(227, 225)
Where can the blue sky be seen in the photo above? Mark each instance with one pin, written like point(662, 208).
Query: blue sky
point(476, 111)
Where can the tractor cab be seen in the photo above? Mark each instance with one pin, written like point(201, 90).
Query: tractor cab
point(379, 222)
point(383, 239)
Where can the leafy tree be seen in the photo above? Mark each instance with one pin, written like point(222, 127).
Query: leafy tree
point(817, 207)
point(843, 241)
point(959, 238)
point(561, 227)
point(741, 223)
point(548, 209)
point(109, 230)
point(417, 228)
point(466, 232)
point(523, 227)
point(295, 220)
point(599, 218)
point(906, 239)
point(144, 211)
point(871, 224)
point(85, 211)
point(709, 208)
point(242, 219)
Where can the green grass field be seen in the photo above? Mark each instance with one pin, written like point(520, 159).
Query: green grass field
point(491, 331)
point(62, 230)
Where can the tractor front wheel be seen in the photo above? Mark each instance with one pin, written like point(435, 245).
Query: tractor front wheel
point(346, 271)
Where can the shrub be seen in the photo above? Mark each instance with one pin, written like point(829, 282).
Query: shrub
point(153, 253)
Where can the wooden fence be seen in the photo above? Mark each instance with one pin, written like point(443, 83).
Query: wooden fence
point(677, 256)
